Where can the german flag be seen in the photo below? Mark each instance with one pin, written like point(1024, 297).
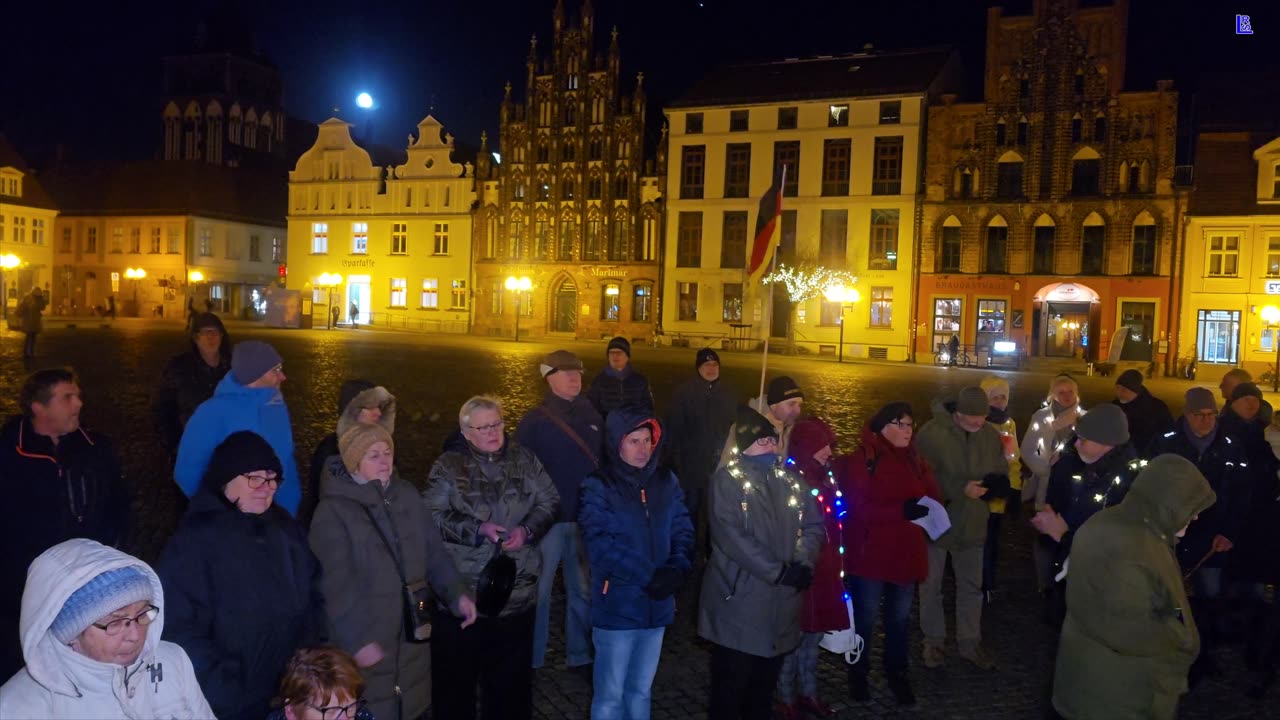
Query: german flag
point(766, 239)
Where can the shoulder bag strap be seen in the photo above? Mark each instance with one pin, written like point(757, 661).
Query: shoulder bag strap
point(395, 557)
point(575, 437)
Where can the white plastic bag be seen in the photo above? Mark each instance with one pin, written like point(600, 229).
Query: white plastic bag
point(845, 642)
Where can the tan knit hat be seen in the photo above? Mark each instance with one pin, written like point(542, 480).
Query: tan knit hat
point(355, 442)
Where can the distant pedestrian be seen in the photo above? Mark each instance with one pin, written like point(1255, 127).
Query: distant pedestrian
point(111, 306)
point(189, 379)
point(953, 350)
point(619, 385)
point(1148, 415)
point(997, 389)
point(354, 314)
point(334, 313)
point(31, 310)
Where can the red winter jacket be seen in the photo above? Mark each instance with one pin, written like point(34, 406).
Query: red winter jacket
point(823, 608)
point(877, 479)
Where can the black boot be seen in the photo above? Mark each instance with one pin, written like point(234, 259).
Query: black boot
point(900, 685)
point(859, 691)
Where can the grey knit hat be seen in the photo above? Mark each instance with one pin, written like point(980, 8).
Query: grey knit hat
point(1198, 399)
point(1104, 424)
point(98, 598)
point(973, 401)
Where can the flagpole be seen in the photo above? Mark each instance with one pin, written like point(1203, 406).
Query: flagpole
point(768, 314)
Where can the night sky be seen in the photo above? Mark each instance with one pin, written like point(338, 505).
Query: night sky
point(90, 79)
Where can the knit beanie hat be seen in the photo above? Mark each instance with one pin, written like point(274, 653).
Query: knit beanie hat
point(808, 436)
point(355, 442)
point(1105, 424)
point(101, 596)
point(887, 414)
point(1198, 399)
point(705, 355)
point(973, 401)
point(782, 389)
point(749, 427)
point(993, 385)
point(241, 452)
point(251, 360)
point(1245, 389)
point(619, 343)
point(1131, 379)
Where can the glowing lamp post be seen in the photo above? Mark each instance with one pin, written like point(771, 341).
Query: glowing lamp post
point(518, 285)
point(8, 261)
point(846, 296)
point(1271, 316)
point(328, 281)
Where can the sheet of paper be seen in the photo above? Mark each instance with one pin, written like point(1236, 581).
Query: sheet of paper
point(936, 522)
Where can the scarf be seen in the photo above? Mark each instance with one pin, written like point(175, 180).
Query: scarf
point(998, 416)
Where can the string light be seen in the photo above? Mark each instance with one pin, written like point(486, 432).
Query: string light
point(809, 281)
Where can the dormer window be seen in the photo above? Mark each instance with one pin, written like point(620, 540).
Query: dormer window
point(11, 185)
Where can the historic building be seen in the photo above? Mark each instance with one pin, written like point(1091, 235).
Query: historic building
point(399, 237)
point(570, 204)
point(850, 132)
point(27, 216)
point(1050, 207)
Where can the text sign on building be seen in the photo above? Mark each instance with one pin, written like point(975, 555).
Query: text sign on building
point(1273, 287)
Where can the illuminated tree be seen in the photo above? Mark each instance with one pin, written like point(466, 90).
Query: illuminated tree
point(803, 283)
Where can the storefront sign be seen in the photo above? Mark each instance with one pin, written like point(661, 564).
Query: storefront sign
point(982, 284)
point(1273, 287)
point(607, 271)
point(362, 263)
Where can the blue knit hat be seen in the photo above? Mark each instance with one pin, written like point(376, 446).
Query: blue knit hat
point(252, 359)
point(98, 598)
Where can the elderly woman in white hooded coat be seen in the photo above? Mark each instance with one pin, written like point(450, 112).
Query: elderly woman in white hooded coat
point(76, 668)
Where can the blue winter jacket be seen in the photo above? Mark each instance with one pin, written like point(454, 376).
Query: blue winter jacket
point(633, 521)
point(566, 461)
point(232, 408)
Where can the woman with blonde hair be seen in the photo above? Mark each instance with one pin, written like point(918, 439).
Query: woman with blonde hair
point(1051, 430)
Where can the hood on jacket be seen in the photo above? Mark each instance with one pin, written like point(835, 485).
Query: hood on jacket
point(54, 576)
point(617, 426)
point(378, 396)
point(808, 436)
point(350, 389)
point(224, 347)
point(1167, 493)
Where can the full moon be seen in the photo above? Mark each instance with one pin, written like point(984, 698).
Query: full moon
point(364, 100)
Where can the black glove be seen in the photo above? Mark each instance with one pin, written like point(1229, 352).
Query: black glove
point(913, 510)
point(666, 581)
point(796, 575)
point(997, 485)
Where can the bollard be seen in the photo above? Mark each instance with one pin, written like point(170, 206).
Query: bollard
point(1088, 370)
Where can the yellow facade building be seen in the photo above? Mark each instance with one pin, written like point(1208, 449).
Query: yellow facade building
point(26, 220)
point(399, 237)
point(849, 130)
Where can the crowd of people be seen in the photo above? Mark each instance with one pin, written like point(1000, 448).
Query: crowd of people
point(381, 591)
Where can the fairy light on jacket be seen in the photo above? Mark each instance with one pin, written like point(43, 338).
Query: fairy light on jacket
point(734, 466)
point(836, 508)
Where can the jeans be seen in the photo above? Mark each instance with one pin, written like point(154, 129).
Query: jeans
point(626, 661)
point(800, 670)
point(967, 566)
point(493, 654)
point(866, 595)
point(29, 345)
point(742, 684)
point(564, 542)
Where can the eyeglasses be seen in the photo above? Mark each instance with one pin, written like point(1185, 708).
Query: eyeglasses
point(335, 712)
point(487, 428)
point(256, 481)
point(144, 618)
point(903, 425)
point(279, 369)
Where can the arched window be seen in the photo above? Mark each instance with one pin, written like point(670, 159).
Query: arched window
point(1077, 128)
point(1009, 176)
point(1044, 236)
point(949, 246)
point(1093, 241)
point(1000, 132)
point(1086, 167)
point(995, 252)
point(1143, 252)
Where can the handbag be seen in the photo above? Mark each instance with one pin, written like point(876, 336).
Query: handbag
point(417, 595)
point(845, 642)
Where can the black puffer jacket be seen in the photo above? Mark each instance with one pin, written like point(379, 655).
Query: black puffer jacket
point(613, 389)
point(1148, 417)
point(243, 593)
point(186, 382)
point(1078, 490)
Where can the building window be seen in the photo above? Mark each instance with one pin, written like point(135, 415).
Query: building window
point(1273, 256)
point(1024, 88)
point(1144, 250)
point(566, 189)
point(688, 300)
point(1218, 336)
point(399, 238)
point(37, 232)
point(834, 238)
point(838, 116)
point(949, 254)
point(689, 240)
point(66, 238)
point(609, 301)
point(568, 236)
point(835, 167)
point(946, 320)
point(1001, 134)
point(515, 243)
point(591, 243)
point(135, 239)
point(91, 241)
point(1092, 244)
point(884, 240)
point(1042, 256)
point(737, 170)
point(117, 235)
point(595, 188)
point(430, 293)
point(693, 124)
point(731, 304)
point(441, 237)
point(964, 187)
point(233, 246)
point(788, 118)
point(156, 246)
point(543, 153)
point(1079, 84)
point(571, 111)
point(881, 307)
point(619, 238)
point(541, 239)
point(1140, 319)
point(787, 239)
point(621, 187)
point(1084, 176)
point(890, 112)
point(175, 241)
point(544, 191)
point(991, 318)
point(733, 244)
point(399, 292)
point(276, 251)
point(255, 248)
point(1100, 129)
point(595, 150)
point(460, 296)
point(997, 245)
point(359, 238)
point(738, 120)
point(495, 296)
point(649, 238)
point(206, 242)
point(787, 154)
point(1009, 178)
point(569, 152)
point(641, 303)
point(319, 239)
point(1024, 131)
point(1077, 128)
point(1224, 255)
point(829, 313)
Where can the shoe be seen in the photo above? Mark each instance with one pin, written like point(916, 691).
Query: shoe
point(783, 711)
point(980, 658)
point(900, 685)
point(815, 707)
point(934, 656)
point(858, 689)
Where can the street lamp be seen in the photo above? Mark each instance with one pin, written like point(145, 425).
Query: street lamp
point(846, 296)
point(8, 261)
point(135, 274)
point(1271, 316)
point(518, 285)
point(329, 281)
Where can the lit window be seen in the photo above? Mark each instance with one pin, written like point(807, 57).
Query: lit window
point(360, 238)
point(319, 238)
point(399, 291)
point(430, 293)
